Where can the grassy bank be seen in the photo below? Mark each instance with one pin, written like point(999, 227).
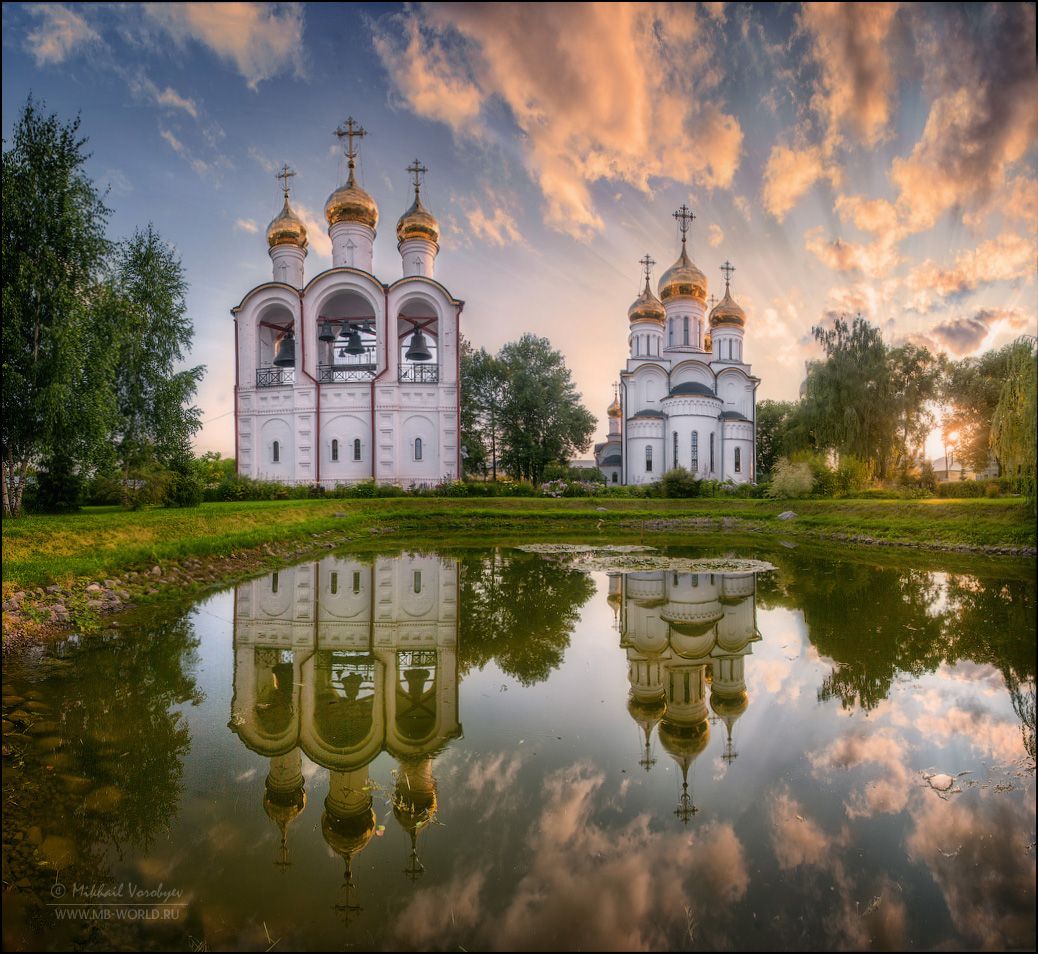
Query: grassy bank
point(99, 542)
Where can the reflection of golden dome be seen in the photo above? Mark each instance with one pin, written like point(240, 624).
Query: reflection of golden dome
point(727, 312)
point(282, 808)
point(348, 834)
point(350, 203)
point(729, 705)
point(647, 307)
point(286, 228)
point(417, 222)
point(683, 280)
point(647, 713)
point(684, 741)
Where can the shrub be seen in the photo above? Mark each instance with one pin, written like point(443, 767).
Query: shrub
point(853, 475)
point(104, 490)
point(185, 487)
point(679, 483)
point(789, 479)
point(962, 488)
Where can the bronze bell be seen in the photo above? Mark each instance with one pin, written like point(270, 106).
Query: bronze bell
point(285, 351)
point(327, 332)
point(353, 343)
point(418, 350)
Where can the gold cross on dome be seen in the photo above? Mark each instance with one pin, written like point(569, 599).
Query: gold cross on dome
point(647, 262)
point(284, 174)
point(685, 217)
point(417, 170)
point(726, 269)
point(349, 131)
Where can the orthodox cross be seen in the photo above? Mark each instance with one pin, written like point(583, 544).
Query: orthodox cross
point(647, 264)
point(685, 217)
point(417, 170)
point(726, 269)
point(284, 174)
point(712, 301)
point(349, 131)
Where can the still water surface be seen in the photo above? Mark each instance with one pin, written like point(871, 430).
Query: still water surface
point(502, 750)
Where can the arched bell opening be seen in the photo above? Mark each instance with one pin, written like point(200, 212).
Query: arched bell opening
point(418, 343)
point(415, 707)
point(347, 342)
point(276, 348)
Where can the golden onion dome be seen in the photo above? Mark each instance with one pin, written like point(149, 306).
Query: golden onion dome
point(727, 312)
point(726, 704)
point(647, 307)
point(683, 280)
point(614, 409)
point(348, 834)
point(417, 222)
point(282, 808)
point(350, 203)
point(286, 228)
point(684, 741)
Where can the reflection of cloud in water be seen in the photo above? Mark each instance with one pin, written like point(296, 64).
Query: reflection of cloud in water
point(628, 887)
point(977, 677)
point(990, 836)
point(795, 838)
point(859, 747)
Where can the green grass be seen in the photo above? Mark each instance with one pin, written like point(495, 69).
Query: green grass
point(39, 550)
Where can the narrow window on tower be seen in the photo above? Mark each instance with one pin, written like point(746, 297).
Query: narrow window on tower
point(694, 464)
point(615, 477)
point(648, 460)
point(711, 453)
point(418, 581)
point(334, 584)
point(685, 326)
point(356, 448)
point(335, 450)
point(675, 456)
point(273, 583)
point(417, 448)
point(670, 333)
point(356, 582)
point(738, 460)
point(276, 452)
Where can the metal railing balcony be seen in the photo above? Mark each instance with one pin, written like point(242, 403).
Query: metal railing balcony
point(345, 373)
point(275, 377)
point(420, 373)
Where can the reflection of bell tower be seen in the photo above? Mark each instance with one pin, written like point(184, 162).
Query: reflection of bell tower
point(414, 805)
point(347, 825)
point(615, 597)
point(647, 713)
point(284, 797)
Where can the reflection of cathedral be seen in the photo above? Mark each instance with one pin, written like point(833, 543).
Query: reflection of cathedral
point(685, 633)
point(339, 661)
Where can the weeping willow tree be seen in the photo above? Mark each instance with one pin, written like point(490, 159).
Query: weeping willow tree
point(1014, 427)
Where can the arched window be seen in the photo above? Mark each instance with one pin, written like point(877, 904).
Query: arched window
point(417, 448)
point(273, 583)
point(694, 463)
point(685, 324)
point(356, 448)
point(675, 457)
point(334, 583)
point(356, 582)
point(711, 453)
point(670, 334)
point(738, 460)
point(335, 449)
point(275, 452)
point(648, 460)
point(418, 581)
point(616, 477)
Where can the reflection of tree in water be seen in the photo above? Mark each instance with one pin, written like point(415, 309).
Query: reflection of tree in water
point(119, 721)
point(519, 611)
point(876, 622)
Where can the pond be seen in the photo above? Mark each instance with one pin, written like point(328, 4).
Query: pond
point(499, 749)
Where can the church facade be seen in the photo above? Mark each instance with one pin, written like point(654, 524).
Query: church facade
point(687, 397)
point(342, 377)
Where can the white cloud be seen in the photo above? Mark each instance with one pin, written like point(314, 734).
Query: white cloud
point(581, 122)
point(261, 40)
point(498, 228)
point(715, 235)
point(246, 225)
point(790, 173)
point(60, 32)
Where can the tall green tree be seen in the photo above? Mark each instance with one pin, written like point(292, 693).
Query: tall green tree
point(57, 363)
point(774, 422)
point(1014, 425)
point(542, 419)
point(972, 389)
point(146, 298)
point(483, 385)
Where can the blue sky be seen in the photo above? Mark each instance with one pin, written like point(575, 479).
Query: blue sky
point(873, 157)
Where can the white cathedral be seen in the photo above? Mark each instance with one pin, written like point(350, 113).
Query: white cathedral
point(687, 397)
point(342, 377)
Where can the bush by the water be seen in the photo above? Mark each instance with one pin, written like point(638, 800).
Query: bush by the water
point(992, 487)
